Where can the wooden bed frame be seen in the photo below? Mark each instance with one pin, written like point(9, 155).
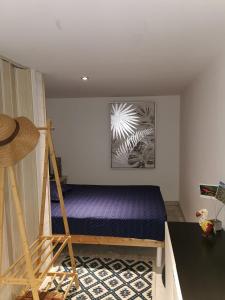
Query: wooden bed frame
point(121, 241)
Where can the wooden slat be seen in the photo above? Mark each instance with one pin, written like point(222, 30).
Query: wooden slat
point(49, 284)
point(44, 187)
point(22, 231)
point(116, 241)
point(15, 270)
point(38, 258)
point(61, 200)
point(43, 194)
point(33, 250)
point(69, 287)
point(23, 291)
point(76, 280)
point(61, 282)
point(61, 273)
point(41, 252)
point(55, 237)
point(57, 180)
point(43, 274)
point(12, 280)
point(38, 246)
point(42, 262)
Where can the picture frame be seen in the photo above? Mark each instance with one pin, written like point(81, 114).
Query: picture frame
point(133, 134)
point(208, 190)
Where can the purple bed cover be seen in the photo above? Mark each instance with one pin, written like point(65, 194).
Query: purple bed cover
point(117, 211)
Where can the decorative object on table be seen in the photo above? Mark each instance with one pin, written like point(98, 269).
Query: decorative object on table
point(205, 224)
point(214, 192)
point(207, 190)
point(18, 137)
point(133, 135)
point(220, 194)
point(217, 225)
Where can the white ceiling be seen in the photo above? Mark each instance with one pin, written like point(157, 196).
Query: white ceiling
point(126, 47)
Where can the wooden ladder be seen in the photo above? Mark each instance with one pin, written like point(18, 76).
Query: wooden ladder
point(32, 268)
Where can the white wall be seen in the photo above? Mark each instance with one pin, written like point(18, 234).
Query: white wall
point(203, 138)
point(82, 138)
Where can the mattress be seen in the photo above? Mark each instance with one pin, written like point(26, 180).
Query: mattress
point(116, 211)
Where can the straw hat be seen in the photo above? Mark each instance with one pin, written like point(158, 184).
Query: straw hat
point(18, 137)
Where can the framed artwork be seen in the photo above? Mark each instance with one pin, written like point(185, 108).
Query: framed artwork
point(220, 194)
point(208, 190)
point(132, 135)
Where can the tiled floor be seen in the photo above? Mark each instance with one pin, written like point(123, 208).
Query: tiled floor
point(173, 214)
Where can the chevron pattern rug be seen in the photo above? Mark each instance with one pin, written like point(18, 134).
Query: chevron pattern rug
point(110, 279)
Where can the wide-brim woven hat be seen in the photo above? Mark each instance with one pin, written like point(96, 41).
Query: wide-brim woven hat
point(18, 137)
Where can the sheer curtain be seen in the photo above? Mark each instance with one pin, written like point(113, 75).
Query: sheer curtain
point(22, 94)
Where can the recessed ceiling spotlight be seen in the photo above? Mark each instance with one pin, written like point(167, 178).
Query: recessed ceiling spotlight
point(85, 78)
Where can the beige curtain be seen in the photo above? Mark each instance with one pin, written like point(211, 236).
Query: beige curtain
point(22, 94)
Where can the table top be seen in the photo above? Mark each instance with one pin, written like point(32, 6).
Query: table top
point(200, 261)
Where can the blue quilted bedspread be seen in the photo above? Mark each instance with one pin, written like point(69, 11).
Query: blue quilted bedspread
point(119, 211)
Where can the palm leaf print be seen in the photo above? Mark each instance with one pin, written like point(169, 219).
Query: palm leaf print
point(123, 152)
point(124, 120)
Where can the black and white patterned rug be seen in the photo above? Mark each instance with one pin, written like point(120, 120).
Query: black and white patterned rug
point(110, 279)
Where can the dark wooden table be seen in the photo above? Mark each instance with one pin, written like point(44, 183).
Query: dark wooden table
point(200, 261)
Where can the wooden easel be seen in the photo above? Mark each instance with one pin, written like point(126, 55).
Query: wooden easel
point(33, 266)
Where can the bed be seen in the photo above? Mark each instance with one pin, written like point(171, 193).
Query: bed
point(112, 215)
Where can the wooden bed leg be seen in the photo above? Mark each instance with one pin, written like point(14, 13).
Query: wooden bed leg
point(159, 257)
